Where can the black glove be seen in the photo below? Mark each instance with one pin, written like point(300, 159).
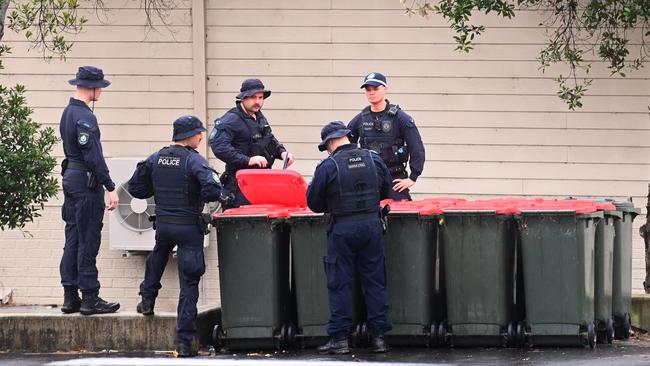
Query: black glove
point(226, 198)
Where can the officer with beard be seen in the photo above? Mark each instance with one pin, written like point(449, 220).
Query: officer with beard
point(242, 138)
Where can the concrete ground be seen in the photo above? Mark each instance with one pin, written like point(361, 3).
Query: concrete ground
point(635, 352)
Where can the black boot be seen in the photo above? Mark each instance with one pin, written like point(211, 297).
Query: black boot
point(338, 346)
point(93, 304)
point(378, 343)
point(145, 307)
point(71, 301)
point(184, 350)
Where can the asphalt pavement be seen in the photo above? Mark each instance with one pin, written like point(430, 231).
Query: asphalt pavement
point(635, 352)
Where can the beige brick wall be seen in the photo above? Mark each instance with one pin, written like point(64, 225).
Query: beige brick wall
point(490, 120)
point(152, 84)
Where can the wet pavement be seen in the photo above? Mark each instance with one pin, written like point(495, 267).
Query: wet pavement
point(635, 352)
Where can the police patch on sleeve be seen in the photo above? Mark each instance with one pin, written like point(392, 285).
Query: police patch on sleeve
point(83, 138)
point(213, 134)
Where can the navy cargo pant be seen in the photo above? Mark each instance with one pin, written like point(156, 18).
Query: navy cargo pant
point(83, 213)
point(191, 266)
point(356, 246)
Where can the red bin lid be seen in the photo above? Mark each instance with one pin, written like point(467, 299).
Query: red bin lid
point(273, 186)
point(478, 206)
point(270, 211)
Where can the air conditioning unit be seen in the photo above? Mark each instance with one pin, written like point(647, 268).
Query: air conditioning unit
point(129, 227)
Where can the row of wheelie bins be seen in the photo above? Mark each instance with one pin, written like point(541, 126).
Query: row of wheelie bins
point(506, 272)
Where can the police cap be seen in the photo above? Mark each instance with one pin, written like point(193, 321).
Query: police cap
point(374, 79)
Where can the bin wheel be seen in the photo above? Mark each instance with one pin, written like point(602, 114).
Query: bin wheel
point(280, 338)
point(510, 335)
point(442, 334)
point(520, 335)
point(591, 335)
point(218, 337)
point(291, 337)
point(627, 326)
point(609, 330)
point(433, 335)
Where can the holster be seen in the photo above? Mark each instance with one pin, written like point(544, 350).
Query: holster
point(92, 180)
point(383, 216)
point(64, 166)
point(205, 221)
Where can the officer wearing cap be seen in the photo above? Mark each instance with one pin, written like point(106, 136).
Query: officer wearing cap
point(385, 128)
point(242, 138)
point(85, 176)
point(349, 185)
point(181, 182)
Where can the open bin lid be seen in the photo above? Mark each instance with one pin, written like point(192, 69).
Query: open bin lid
point(273, 186)
point(269, 211)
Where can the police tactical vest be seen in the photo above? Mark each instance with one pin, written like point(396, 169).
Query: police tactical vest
point(358, 189)
point(261, 138)
point(173, 187)
point(382, 136)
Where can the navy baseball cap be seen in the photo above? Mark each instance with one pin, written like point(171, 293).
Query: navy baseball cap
point(187, 126)
point(90, 77)
point(251, 87)
point(332, 130)
point(374, 79)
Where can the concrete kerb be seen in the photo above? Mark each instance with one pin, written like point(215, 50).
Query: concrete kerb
point(45, 329)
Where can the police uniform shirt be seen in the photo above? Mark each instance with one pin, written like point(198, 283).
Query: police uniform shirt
point(407, 131)
point(325, 177)
point(81, 140)
point(141, 183)
point(231, 137)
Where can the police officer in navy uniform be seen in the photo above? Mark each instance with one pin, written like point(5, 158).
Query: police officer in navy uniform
point(85, 176)
point(386, 129)
point(181, 182)
point(349, 185)
point(242, 138)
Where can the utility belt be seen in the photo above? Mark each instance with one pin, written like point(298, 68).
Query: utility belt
point(355, 217)
point(75, 165)
point(203, 220)
point(91, 181)
point(397, 169)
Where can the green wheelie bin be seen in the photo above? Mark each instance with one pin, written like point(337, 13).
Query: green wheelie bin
point(622, 269)
point(558, 252)
point(412, 283)
point(308, 251)
point(479, 260)
point(604, 261)
point(308, 248)
point(254, 262)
